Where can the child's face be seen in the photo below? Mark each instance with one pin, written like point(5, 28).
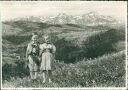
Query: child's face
point(46, 40)
point(35, 39)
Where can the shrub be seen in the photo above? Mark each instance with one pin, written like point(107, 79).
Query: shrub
point(101, 43)
point(15, 39)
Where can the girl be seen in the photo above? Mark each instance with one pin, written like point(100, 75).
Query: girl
point(32, 55)
point(47, 56)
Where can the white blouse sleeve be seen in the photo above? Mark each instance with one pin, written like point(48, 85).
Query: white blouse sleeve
point(53, 48)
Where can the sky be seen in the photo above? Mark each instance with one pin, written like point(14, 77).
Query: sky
point(14, 9)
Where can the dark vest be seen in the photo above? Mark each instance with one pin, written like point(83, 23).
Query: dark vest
point(34, 49)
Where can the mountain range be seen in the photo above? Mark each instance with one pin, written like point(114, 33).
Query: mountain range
point(88, 19)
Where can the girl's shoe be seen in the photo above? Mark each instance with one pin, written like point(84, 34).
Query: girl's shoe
point(44, 81)
point(50, 81)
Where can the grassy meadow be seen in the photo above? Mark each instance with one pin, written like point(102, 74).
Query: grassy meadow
point(87, 56)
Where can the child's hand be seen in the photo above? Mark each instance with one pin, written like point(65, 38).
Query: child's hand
point(34, 50)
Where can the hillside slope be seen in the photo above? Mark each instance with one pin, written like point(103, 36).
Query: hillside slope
point(87, 55)
point(104, 71)
point(64, 36)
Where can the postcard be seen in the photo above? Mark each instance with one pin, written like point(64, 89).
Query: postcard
point(63, 45)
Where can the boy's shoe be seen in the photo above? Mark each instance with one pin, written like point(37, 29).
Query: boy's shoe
point(44, 81)
point(50, 81)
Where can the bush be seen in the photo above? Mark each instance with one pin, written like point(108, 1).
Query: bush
point(101, 43)
point(66, 51)
point(16, 69)
point(15, 39)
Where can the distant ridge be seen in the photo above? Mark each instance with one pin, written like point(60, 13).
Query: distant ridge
point(88, 19)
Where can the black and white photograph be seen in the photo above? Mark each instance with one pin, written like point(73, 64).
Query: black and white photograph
point(63, 44)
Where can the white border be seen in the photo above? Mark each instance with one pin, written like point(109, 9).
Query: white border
point(67, 88)
point(126, 41)
point(0, 50)
point(93, 88)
